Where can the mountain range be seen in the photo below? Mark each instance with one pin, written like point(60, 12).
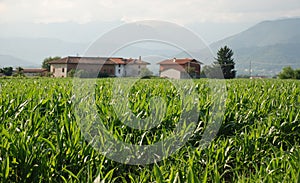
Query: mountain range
point(265, 48)
point(31, 51)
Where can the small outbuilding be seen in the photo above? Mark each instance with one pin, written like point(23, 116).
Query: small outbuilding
point(181, 68)
point(34, 72)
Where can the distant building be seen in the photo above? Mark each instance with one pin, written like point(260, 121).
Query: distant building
point(34, 72)
point(180, 68)
point(258, 77)
point(98, 66)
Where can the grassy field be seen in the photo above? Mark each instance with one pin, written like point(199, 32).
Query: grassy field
point(258, 141)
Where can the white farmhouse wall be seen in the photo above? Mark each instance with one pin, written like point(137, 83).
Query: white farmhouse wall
point(133, 70)
point(59, 70)
point(171, 73)
point(119, 70)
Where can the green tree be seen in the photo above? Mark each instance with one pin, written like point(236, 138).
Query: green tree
point(226, 62)
point(287, 73)
point(297, 74)
point(145, 72)
point(46, 61)
point(71, 73)
point(19, 71)
point(213, 71)
point(7, 71)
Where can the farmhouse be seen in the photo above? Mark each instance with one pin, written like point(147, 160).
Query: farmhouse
point(34, 72)
point(98, 66)
point(180, 68)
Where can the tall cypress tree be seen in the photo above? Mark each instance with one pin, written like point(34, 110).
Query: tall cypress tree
point(226, 62)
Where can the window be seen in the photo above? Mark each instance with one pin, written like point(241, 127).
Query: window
point(139, 66)
point(63, 70)
point(119, 65)
point(53, 70)
point(119, 71)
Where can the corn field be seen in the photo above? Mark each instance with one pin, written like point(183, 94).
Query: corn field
point(42, 141)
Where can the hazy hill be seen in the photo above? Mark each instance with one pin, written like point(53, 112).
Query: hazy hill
point(66, 31)
point(269, 45)
point(10, 61)
point(34, 50)
point(266, 33)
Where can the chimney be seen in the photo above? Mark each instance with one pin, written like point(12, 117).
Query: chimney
point(174, 59)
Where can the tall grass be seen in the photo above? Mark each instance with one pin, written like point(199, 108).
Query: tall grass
point(258, 141)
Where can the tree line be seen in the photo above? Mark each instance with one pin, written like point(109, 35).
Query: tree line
point(223, 67)
point(8, 71)
point(289, 73)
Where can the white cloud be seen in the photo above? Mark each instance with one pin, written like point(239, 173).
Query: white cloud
point(178, 11)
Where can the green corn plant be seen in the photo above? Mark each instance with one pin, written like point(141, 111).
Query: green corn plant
point(41, 139)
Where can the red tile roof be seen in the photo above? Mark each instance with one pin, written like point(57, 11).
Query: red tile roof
point(117, 60)
point(81, 60)
point(136, 61)
point(179, 61)
point(96, 60)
